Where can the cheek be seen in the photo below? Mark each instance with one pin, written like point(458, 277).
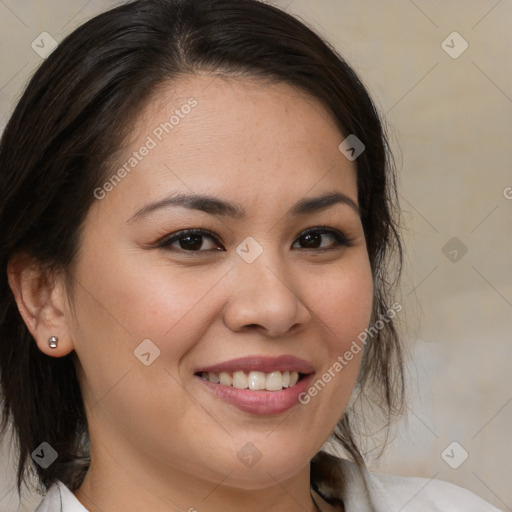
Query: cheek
point(342, 304)
point(121, 301)
point(132, 294)
point(343, 300)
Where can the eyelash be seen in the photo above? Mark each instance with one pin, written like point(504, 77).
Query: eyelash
point(341, 240)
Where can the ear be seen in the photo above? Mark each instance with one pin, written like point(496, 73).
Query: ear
point(41, 302)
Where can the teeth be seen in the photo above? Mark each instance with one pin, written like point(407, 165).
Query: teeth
point(225, 378)
point(257, 381)
point(214, 377)
point(274, 381)
point(240, 380)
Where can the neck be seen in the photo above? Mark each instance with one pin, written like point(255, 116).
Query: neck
point(126, 483)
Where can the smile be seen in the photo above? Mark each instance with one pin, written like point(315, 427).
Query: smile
point(254, 380)
point(253, 401)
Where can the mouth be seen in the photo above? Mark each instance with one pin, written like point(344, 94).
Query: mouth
point(257, 373)
point(256, 392)
point(254, 380)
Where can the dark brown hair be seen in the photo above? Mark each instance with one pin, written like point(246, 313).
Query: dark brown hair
point(77, 111)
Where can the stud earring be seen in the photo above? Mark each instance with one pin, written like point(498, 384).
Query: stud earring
point(52, 342)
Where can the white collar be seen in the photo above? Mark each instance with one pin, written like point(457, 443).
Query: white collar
point(60, 499)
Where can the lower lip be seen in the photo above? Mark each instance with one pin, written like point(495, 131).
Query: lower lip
point(260, 402)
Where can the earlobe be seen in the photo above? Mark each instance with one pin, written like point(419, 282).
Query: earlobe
point(39, 302)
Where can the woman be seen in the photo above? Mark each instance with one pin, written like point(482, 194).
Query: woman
point(199, 234)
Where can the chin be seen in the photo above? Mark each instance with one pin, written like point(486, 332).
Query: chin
point(252, 470)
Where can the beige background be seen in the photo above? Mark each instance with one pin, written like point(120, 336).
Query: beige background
point(450, 124)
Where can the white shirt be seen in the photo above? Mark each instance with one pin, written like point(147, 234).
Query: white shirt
point(338, 480)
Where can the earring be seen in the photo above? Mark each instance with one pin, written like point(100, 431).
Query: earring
point(52, 342)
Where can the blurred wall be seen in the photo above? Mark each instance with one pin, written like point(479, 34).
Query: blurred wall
point(447, 101)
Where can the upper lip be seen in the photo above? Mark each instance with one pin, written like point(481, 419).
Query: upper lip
point(263, 364)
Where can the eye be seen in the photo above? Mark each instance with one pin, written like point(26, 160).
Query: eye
point(192, 240)
point(189, 240)
point(312, 238)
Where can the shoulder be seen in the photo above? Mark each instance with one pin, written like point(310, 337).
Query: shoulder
point(60, 499)
point(361, 490)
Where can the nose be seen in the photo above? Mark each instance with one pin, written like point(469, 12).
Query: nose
point(265, 296)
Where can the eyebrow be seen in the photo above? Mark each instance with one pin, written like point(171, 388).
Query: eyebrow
point(219, 207)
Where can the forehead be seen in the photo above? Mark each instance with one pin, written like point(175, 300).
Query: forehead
point(258, 141)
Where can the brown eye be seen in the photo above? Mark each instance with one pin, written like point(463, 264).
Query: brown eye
point(313, 238)
point(193, 240)
point(189, 240)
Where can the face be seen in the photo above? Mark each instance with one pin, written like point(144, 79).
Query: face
point(271, 274)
